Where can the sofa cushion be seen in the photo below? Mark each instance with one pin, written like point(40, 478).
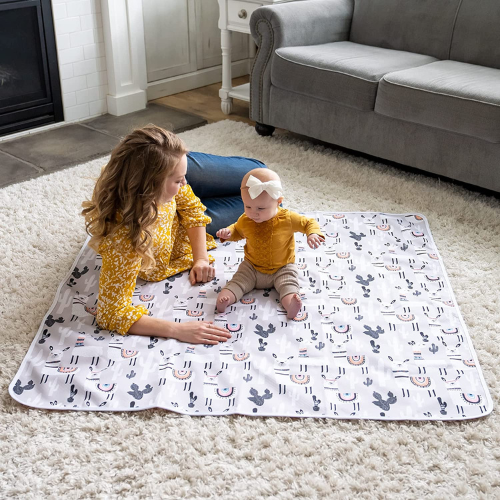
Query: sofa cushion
point(343, 72)
point(476, 38)
point(450, 95)
point(421, 26)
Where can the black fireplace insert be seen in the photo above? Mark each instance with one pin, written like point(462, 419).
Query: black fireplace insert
point(30, 90)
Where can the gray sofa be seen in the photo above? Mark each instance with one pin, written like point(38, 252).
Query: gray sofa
point(412, 81)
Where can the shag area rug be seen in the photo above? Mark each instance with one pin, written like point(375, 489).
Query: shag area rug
point(161, 454)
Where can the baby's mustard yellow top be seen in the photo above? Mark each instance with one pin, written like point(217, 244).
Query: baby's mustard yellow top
point(121, 264)
point(270, 245)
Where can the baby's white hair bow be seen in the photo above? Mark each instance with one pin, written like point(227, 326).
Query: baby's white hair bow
point(256, 186)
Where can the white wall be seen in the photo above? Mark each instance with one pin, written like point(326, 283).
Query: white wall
point(82, 58)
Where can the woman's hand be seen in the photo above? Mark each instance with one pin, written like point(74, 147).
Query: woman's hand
point(223, 234)
point(200, 332)
point(314, 240)
point(201, 271)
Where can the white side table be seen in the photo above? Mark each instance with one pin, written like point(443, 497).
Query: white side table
point(234, 15)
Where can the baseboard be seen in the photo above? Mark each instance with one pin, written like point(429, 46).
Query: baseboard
point(124, 104)
point(194, 80)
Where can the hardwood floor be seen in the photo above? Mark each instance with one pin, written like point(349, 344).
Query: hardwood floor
point(205, 102)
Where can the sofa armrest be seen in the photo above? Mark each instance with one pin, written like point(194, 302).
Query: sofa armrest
point(291, 24)
point(308, 22)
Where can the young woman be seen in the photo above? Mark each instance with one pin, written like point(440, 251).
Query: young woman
point(145, 221)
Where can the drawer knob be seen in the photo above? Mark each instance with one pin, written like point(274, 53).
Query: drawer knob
point(242, 14)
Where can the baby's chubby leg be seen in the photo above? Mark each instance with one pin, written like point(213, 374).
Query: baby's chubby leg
point(242, 282)
point(286, 282)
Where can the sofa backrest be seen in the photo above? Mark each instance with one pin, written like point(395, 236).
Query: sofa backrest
point(421, 26)
point(476, 38)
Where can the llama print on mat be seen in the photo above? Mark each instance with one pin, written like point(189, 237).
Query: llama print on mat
point(83, 306)
point(81, 350)
point(53, 366)
point(93, 385)
point(116, 351)
point(181, 377)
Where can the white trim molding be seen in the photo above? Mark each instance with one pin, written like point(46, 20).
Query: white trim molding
point(123, 30)
point(194, 80)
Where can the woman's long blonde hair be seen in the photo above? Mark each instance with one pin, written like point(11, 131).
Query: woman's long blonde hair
point(130, 185)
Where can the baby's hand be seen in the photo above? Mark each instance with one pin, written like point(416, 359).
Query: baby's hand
point(223, 234)
point(315, 240)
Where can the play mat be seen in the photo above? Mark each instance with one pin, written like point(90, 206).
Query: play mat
point(379, 336)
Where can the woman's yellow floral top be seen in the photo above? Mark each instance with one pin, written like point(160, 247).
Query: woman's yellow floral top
point(172, 251)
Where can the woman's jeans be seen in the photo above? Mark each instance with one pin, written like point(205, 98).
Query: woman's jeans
point(216, 180)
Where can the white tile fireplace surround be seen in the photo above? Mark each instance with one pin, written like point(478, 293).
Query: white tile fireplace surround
point(82, 58)
point(100, 47)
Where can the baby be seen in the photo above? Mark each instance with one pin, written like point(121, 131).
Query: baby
point(270, 242)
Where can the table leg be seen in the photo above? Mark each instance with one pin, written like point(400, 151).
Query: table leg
point(226, 101)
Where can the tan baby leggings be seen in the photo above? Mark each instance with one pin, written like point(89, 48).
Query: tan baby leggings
point(246, 278)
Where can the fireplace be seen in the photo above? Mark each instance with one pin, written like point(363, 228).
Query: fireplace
point(30, 90)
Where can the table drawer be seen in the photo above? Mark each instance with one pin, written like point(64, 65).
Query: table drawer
point(238, 13)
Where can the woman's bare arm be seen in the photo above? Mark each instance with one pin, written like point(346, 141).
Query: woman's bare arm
point(194, 332)
point(202, 270)
point(154, 327)
point(198, 239)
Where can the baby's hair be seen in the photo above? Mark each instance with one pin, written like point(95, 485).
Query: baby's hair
point(129, 187)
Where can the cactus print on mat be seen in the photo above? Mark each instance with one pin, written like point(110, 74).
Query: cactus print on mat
point(379, 336)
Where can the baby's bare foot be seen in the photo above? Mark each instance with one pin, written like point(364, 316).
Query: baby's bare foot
point(225, 299)
point(292, 304)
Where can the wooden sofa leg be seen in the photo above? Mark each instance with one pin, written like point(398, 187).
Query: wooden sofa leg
point(263, 129)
